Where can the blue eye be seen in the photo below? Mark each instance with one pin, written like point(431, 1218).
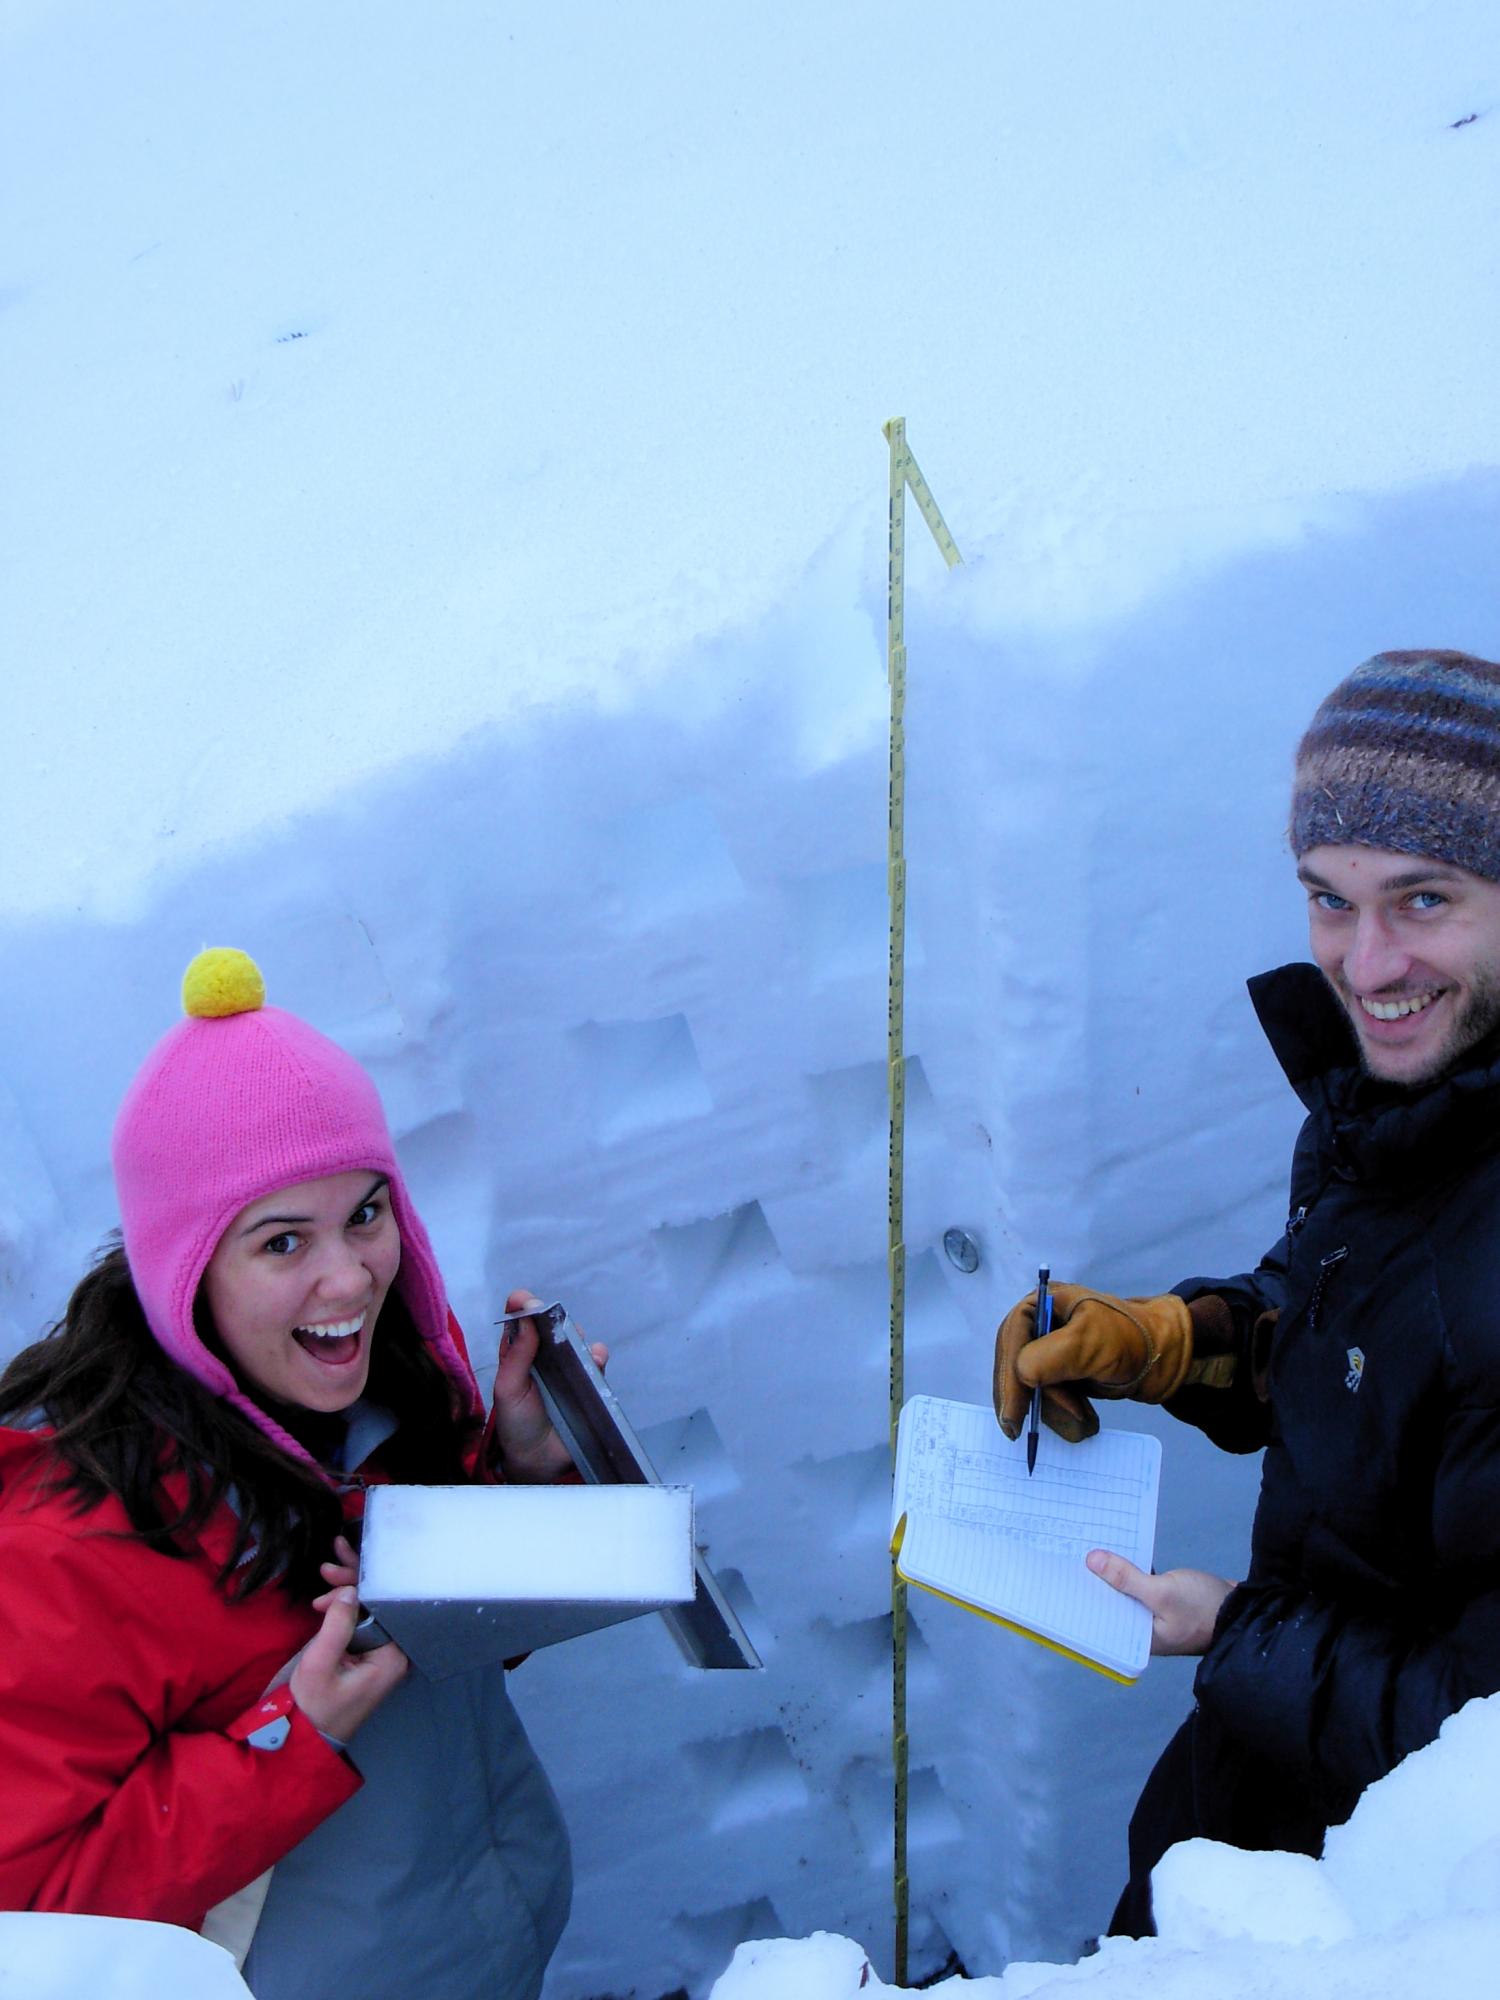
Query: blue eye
point(1428, 899)
point(1325, 899)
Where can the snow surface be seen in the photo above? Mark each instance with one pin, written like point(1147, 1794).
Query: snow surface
point(404, 366)
point(443, 528)
point(1406, 1900)
point(45, 1957)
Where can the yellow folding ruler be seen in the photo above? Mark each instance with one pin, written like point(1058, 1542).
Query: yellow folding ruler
point(905, 473)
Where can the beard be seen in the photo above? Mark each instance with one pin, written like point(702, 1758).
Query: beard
point(1475, 1022)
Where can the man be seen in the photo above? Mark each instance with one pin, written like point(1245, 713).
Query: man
point(1363, 1352)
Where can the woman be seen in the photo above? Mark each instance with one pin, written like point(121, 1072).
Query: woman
point(182, 1471)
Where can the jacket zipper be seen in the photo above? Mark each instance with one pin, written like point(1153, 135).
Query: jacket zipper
point(1296, 1219)
point(1325, 1267)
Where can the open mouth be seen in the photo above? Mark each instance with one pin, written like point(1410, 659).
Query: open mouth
point(1402, 1008)
point(333, 1344)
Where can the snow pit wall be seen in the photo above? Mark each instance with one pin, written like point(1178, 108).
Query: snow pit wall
point(621, 979)
point(1247, 1926)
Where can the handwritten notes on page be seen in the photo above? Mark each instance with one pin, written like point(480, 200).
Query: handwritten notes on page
point(968, 1523)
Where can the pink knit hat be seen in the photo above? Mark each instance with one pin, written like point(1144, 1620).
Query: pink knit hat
point(235, 1102)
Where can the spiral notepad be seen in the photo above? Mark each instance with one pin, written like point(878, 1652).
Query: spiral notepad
point(969, 1524)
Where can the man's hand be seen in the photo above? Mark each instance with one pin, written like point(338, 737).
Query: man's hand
point(1099, 1344)
point(530, 1449)
point(338, 1690)
point(1184, 1603)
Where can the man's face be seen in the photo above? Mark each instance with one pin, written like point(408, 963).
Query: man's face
point(1412, 949)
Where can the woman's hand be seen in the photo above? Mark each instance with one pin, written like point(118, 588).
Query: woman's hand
point(343, 1569)
point(335, 1689)
point(1184, 1603)
point(530, 1449)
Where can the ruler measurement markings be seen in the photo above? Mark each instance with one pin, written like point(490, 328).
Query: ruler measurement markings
point(904, 473)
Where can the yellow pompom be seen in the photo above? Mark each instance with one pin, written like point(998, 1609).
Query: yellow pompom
point(222, 981)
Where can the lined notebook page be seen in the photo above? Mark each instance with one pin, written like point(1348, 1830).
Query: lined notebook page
point(979, 1529)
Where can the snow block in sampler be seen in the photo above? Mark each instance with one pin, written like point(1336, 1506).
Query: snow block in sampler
point(460, 1576)
point(44, 1956)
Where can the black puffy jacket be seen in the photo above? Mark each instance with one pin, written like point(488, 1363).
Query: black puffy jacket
point(1371, 1610)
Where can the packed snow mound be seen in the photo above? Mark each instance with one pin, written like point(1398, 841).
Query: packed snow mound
point(821, 1967)
point(1405, 1900)
point(47, 1957)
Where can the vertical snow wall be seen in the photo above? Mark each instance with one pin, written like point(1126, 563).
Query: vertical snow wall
point(621, 978)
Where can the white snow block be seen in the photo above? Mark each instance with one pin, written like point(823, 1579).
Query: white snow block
point(828, 1967)
point(1204, 1894)
point(821, 1967)
point(460, 1576)
point(1426, 1837)
point(50, 1957)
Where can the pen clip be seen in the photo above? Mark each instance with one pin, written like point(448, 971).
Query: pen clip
point(1043, 1302)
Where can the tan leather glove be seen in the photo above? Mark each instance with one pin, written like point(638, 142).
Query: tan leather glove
point(1142, 1348)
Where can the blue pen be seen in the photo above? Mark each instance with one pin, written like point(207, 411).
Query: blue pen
point(1042, 1329)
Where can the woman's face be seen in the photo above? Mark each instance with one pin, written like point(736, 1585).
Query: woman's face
point(296, 1286)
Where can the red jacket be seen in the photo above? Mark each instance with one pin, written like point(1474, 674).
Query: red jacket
point(123, 1675)
point(129, 1682)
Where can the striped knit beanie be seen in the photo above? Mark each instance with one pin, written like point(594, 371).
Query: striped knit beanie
point(239, 1100)
point(1405, 755)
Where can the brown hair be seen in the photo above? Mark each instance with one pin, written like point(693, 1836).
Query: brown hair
point(122, 1414)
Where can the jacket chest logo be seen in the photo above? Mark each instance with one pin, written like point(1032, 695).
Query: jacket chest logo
point(1356, 1373)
